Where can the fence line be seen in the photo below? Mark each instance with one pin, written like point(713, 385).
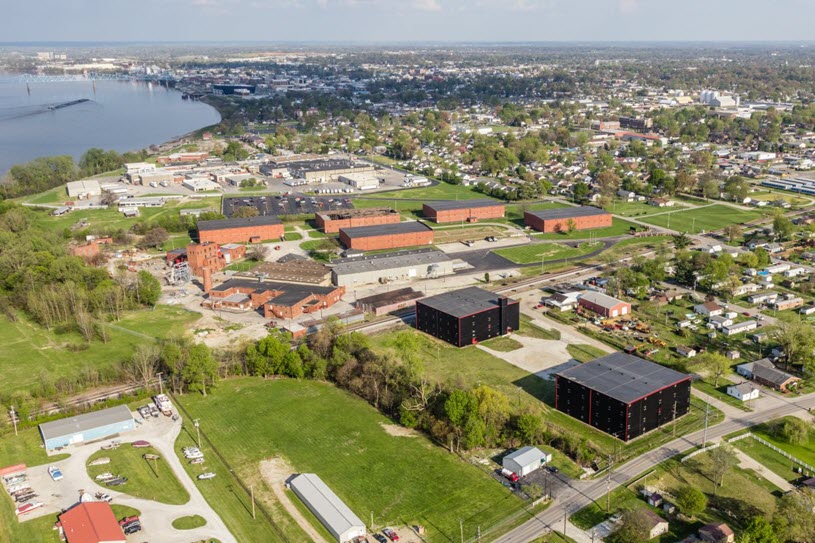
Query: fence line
point(782, 452)
point(700, 451)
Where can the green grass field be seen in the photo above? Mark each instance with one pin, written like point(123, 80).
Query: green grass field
point(532, 330)
point(538, 253)
point(634, 209)
point(768, 458)
point(632, 246)
point(189, 523)
point(584, 353)
point(618, 227)
point(321, 429)
point(146, 479)
point(805, 452)
point(33, 353)
point(502, 343)
point(707, 218)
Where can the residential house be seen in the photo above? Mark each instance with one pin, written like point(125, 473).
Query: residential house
point(777, 268)
point(708, 309)
point(661, 202)
point(807, 310)
point(765, 373)
point(739, 328)
point(603, 304)
point(563, 301)
point(743, 391)
point(656, 525)
point(717, 533)
point(719, 321)
point(787, 303)
point(745, 288)
point(626, 195)
point(762, 297)
point(687, 352)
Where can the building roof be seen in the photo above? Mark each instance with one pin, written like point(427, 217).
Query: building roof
point(224, 224)
point(603, 300)
point(771, 374)
point(332, 510)
point(567, 212)
point(463, 302)
point(740, 325)
point(384, 299)
point(295, 270)
point(408, 227)
point(717, 531)
point(526, 456)
point(623, 377)
point(91, 522)
point(653, 518)
point(744, 388)
point(445, 205)
point(342, 214)
point(83, 423)
point(290, 293)
point(383, 262)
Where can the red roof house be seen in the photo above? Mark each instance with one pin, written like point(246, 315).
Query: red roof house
point(91, 522)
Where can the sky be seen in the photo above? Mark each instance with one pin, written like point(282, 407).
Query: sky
point(406, 20)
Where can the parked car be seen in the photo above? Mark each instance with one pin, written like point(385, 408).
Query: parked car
point(140, 444)
point(132, 529)
point(552, 469)
point(393, 536)
point(199, 460)
point(103, 497)
point(55, 473)
point(128, 520)
point(509, 475)
point(380, 538)
point(207, 475)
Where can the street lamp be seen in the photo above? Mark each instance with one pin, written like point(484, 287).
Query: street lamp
point(198, 431)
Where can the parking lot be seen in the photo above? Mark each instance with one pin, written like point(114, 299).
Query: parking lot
point(295, 204)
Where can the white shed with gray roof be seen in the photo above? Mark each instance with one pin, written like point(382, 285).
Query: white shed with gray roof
point(338, 519)
point(525, 460)
point(87, 427)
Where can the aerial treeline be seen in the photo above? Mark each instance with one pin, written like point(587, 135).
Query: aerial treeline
point(393, 381)
point(45, 173)
point(40, 278)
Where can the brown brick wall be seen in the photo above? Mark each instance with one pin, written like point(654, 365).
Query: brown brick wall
point(333, 226)
point(562, 225)
point(388, 241)
point(241, 235)
point(463, 214)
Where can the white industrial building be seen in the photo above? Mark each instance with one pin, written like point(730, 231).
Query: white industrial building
point(199, 184)
point(360, 181)
point(525, 460)
point(338, 519)
point(83, 189)
point(400, 265)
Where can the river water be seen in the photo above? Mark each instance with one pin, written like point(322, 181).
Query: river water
point(120, 115)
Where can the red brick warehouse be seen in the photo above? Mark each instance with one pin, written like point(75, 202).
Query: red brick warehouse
point(249, 230)
point(387, 236)
point(463, 210)
point(330, 222)
point(557, 220)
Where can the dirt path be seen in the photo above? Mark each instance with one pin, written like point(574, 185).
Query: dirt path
point(275, 471)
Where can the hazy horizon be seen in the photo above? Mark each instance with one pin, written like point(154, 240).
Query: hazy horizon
point(407, 21)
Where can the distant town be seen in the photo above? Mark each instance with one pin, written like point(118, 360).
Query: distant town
point(544, 294)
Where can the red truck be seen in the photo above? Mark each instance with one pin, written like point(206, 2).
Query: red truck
point(510, 475)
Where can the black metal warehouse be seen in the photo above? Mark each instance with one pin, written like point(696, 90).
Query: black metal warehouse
point(622, 395)
point(467, 316)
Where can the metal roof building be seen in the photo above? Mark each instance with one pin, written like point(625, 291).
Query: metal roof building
point(221, 224)
point(87, 427)
point(567, 212)
point(525, 460)
point(338, 519)
point(415, 264)
point(622, 395)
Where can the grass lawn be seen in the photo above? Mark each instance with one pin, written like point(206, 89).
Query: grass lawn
point(707, 218)
point(768, 458)
point(632, 209)
point(34, 354)
point(409, 201)
point(537, 252)
point(502, 343)
point(771, 195)
point(532, 330)
point(584, 353)
point(720, 393)
point(618, 227)
point(319, 428)
point(151, 480)
point(743, 491)
point(632, 246)
point(804, 452)
point(555, 537)
point(189, 523)
point(243, 265)
point(293, 236)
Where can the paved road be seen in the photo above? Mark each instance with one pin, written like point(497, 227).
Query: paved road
point(582, 493)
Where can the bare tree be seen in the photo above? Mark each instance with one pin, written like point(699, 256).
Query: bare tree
point(259, 252)
point(85, 323)
point(143, 363)
point(102, 331)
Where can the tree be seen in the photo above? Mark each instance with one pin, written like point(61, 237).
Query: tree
point(682, 240)
point(486, 277)
point(245, 212)
point(793, 430)
point(460, 408)
point(143, 363)
point(759, 530)
point(154, 237)
point(797, 340)
point(571, 226)
point(634, 527)
point(148, 288)
point(715, 365)
point(258, 252)
point(580, 191)
point(493, 408)
point(710, 188)
point(691, 501)
point(527, 427)
point(732, 232)
point(794, 519)
point(783, 228)
point(722, 459)
point(608, 182)
point(201, 368)
point(736, 188)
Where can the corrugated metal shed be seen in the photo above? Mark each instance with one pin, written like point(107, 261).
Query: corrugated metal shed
point(58, 432)
point(328, 507)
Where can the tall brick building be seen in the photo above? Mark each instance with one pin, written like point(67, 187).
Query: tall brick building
point(463, 210)
point(248, 230)
point(330, 222)
point(387, 236)
point(557, 220)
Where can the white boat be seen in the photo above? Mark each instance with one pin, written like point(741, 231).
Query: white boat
point(55, 473)
point(27, 508)
point(105, 476)
point(208, 475)
point(100, 461)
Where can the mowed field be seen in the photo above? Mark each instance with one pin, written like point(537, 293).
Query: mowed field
point(32, 353)
point(535, 253)
point(321, 429)
point(707, 218)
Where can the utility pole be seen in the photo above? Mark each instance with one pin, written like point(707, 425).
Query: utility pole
point(372, 521)
point(252, 491)
point(707, 413)
point(461, 529)
point(608, 486)
point(674, 418)
point(479, 534)
point(198, 431)
point(13, 418)
point(565, 517)
point(160, 387)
